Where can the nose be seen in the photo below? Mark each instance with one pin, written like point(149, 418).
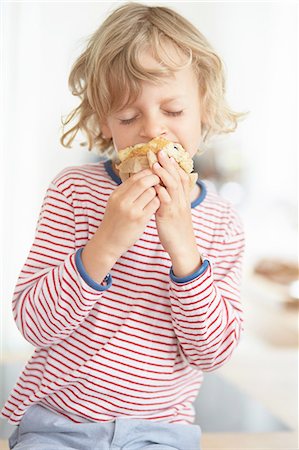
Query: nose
point(151, 127)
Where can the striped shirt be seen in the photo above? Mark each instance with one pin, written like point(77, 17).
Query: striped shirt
point(137, 345)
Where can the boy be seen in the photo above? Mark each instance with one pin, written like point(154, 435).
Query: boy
point(131, 290)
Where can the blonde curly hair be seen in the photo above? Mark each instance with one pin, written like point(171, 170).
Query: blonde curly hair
point(107, 75)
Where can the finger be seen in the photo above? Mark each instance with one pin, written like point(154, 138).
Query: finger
point(152, 207)
point(171, 182)
point(145, 198)
point(185, 179)
point(163, 195)
point(135, 177)
point(137, 185)
point(125, 185)
point(165, 162)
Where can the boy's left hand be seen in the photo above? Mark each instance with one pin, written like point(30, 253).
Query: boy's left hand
point(173, 218)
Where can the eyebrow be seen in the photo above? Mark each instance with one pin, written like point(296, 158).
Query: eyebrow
point(170, 99)
point(165, 100)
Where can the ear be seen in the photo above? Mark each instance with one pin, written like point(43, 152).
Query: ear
point(106, 131)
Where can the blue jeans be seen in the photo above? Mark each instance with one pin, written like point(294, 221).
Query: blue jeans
point(42, 429)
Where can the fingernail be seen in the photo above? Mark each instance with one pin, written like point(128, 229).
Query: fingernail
point(162, 153)
point(156, 165)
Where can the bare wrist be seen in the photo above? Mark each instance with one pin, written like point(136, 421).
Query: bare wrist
point(101, 240)
point(98, 257)
point(185, 263)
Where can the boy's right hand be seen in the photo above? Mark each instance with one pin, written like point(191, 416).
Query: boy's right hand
point(128, 211)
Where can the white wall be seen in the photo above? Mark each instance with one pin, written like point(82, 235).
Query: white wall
point(258, 42)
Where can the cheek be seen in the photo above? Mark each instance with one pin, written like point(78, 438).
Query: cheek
point(116, 145)
point(191, 137)
point(192, 130)
point(106, 130)
point(122, 137)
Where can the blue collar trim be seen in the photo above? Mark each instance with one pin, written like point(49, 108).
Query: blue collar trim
point(110, 171)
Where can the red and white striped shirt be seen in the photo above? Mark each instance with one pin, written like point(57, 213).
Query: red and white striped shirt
point(138, 347)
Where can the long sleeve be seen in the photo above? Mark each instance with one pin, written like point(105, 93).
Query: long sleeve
point(133, 347)
point(206, 311)
point(51, 299)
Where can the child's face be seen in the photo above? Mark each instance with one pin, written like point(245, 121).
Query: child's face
point(170, 109)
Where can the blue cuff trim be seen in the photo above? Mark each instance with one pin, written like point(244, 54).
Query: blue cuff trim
point(87, 278)
point(191, 277)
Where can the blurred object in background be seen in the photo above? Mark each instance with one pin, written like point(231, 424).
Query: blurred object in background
point(293, 293)
point(277, 271)
point(283, 273)
point(270, 217)
point(221, 161)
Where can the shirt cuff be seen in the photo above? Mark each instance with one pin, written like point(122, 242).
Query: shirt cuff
point(200, 271)
point(107, 281)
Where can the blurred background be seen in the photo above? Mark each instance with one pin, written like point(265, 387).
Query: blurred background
point(255, 168)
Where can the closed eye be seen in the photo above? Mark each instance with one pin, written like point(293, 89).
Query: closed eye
point(127, 121)
point(174, 113)
point(168, 113)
